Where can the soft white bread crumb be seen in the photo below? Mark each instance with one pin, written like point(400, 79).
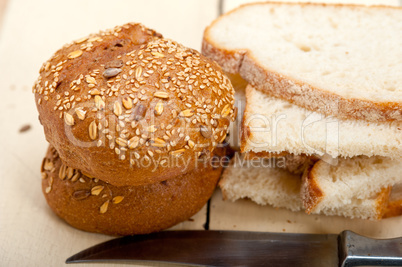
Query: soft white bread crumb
point(357, 187)
point(274, 125)
point(265, 185)
point(342, 60)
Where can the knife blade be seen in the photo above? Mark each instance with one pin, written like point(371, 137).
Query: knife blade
point(242, 248)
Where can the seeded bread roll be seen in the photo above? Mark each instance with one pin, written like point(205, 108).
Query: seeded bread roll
point(92, 205)
point(132, 108)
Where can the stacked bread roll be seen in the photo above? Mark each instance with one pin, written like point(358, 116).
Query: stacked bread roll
point(133, 121)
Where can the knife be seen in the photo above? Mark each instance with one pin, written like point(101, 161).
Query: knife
point(242, 248)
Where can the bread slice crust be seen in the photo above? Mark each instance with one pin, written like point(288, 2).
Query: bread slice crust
point(301, 93)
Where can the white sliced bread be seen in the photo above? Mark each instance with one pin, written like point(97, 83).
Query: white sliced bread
point(274, 125)
point(279, 188)
point(263, 184)
point(353, 183)
point(342, 60)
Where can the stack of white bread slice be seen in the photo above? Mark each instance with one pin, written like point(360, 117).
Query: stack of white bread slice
point(322, 125)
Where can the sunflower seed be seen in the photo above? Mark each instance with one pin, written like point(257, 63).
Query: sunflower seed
point(111, 72)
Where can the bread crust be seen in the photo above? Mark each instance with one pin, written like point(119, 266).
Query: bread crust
point(382, 203)
point(310, 192)
point(300, 93)
point(132, 108)
point(92, 205)
point(393, 209)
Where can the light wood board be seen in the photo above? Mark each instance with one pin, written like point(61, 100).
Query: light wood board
point(30, 234)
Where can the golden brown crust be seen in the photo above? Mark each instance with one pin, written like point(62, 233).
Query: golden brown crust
point(394, 208)
point(92, 205)
point(295, 91)
point(382, 202)
point(311, 193)
point(123, 104)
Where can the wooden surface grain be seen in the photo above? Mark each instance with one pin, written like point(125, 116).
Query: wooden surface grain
point(3, 4)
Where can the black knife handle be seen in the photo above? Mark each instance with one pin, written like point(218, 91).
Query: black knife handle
point(357, 250)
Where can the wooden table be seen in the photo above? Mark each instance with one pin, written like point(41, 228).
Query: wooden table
point(3, 4)
point(30, 31)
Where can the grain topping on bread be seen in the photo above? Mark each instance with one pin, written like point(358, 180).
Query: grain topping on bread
point(123, 104)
